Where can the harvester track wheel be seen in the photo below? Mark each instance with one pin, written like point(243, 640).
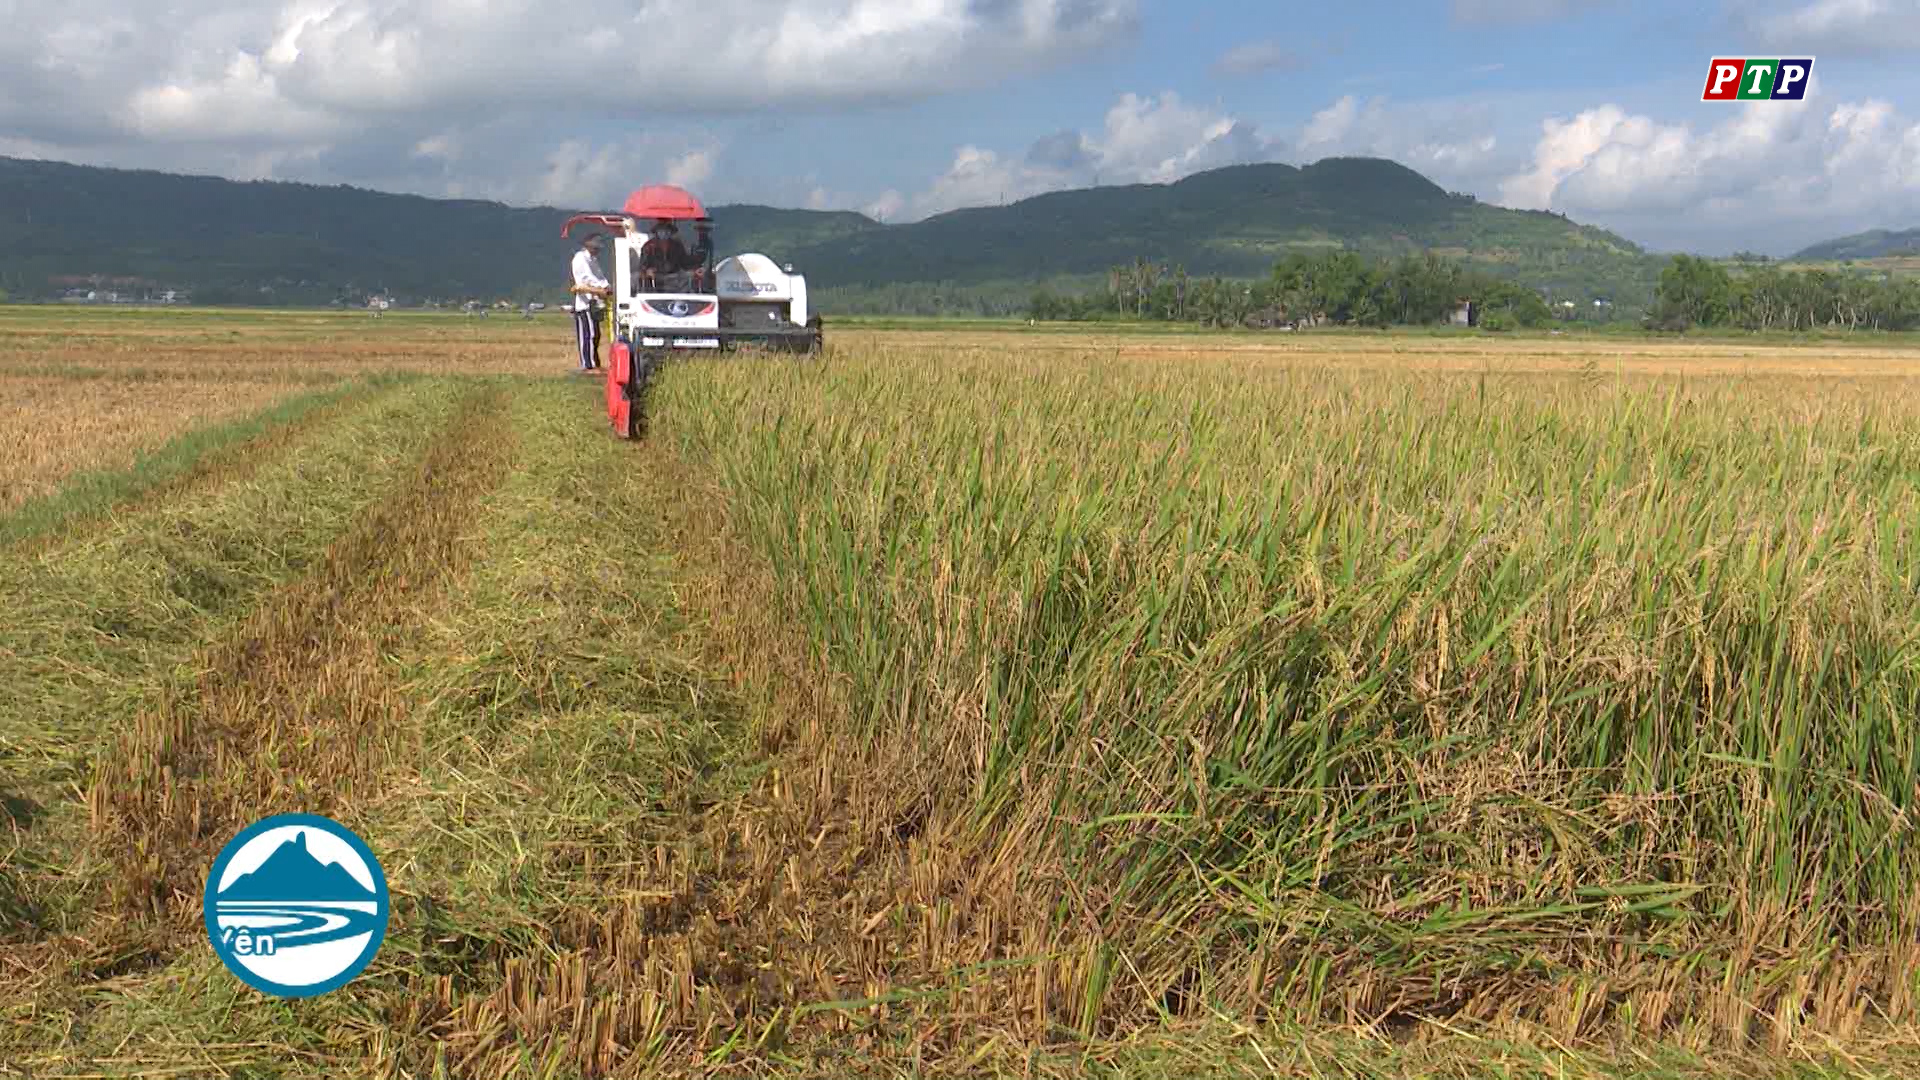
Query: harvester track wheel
point(622, 409)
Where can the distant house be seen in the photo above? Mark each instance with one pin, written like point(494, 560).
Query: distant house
point(1464, 313)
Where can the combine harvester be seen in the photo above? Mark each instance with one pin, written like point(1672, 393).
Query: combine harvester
point(668, 298)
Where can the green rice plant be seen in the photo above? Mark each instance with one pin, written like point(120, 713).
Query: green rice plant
point(1458, 690)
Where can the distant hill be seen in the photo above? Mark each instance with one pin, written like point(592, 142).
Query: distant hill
point(298, 243)
point(306, 243)
point(1873, 244)
point(1235, 221)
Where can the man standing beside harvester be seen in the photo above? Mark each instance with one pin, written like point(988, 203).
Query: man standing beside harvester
point(590, 291)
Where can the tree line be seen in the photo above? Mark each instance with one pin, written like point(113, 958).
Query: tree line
point(1341, 287)
point(1699, 292)
point(1337, 287)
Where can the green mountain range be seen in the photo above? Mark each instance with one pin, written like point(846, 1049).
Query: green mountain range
point(1235, 221)
point(1873, 244)
point(64, 226)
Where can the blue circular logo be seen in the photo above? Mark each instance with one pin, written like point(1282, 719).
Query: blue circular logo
point(296, 905)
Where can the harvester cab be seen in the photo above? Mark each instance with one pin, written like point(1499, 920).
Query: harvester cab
point(669, 297)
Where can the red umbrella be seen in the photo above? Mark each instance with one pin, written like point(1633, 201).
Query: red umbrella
point(646, 204)
point(664, 201)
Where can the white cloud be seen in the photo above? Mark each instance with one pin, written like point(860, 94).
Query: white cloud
point(1332, 123)
point(592, 174)
point(1165, 139)
point(1452, 143)
point(243, 105)
point(1840, 27)
point(1565, 147)
point(1144, 140)
point(887, 207)
point(373, 58)
point(576, 167)
point(409, 91)
point(691, 169)
point(442, 147)
point(978, 177)
point(1778, 174)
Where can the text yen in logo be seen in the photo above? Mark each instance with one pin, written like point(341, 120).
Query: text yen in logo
point(296, 905)
point(1737, 78)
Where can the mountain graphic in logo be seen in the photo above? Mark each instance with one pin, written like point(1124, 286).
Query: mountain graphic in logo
point(296, 905)
point(292, 873)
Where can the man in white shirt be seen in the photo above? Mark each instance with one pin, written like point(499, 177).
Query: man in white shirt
point(589, 289)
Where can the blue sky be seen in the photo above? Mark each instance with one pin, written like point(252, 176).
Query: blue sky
point(902, 108)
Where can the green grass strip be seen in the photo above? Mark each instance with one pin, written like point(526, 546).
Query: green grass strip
point(91, 493)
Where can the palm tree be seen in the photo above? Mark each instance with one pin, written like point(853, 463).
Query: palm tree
point(1145, 276)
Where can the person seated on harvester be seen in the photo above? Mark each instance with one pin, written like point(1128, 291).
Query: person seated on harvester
point(663, 262)
point(702, 249)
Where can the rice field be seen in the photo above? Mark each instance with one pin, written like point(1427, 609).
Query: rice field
point(981, 702)
point(53, 427)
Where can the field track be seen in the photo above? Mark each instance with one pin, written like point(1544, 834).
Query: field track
point(969, 702)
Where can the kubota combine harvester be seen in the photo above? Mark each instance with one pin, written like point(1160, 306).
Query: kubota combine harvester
point(669, 298)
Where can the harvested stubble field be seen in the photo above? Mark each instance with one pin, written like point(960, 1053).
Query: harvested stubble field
point(986, 702)
point(54, 427)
